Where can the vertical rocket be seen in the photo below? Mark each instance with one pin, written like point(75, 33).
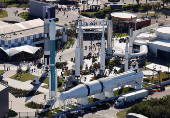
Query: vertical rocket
point(126, 57)
point(80, 37)
point(77, 60)
point(109, 35)
point(102, 53)
point(130, 39)
point(46, 42)
point(52, 79)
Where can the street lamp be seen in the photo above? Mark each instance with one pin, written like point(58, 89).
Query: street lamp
point(11, 104)
point(154, 68)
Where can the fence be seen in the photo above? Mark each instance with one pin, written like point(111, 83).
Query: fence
point(23, 114)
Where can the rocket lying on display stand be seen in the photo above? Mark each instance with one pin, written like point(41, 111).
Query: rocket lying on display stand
point(102, 53)
point(130, 39)
point(126, 57)
point(103, 85)
point(109, 35)
point(46, 42)
point(77, 60)
point(53, 73)
point(80, 36)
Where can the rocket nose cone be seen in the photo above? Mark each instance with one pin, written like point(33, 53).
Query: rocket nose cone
point(52, 23)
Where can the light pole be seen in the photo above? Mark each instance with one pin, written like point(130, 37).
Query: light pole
point(11, 104)
point(154, 67)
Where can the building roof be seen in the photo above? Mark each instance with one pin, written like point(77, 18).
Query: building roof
point(25, 48)
point(125, 16)
point(165, 43)
point(2, 86)
point(22, 29)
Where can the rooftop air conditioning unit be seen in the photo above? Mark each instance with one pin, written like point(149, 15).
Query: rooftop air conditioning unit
point(152, 30)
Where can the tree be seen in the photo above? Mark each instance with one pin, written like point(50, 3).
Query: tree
point(137, 1)
point(168, 64)
point(163, 3)
point(156, 7)
point(104, 6)
point(167, 2)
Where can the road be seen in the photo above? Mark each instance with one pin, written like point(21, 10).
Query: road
point(111, 112)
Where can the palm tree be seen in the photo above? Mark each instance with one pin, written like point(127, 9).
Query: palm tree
point(104, 6)
point(137, 1)
point(163, 3)
point(168, 64)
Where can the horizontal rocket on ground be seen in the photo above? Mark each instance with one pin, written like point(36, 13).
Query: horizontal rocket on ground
point(103, 84)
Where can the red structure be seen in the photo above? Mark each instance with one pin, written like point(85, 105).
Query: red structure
point(139, 23)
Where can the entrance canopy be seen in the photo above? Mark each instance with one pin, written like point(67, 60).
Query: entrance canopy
point(25, 48)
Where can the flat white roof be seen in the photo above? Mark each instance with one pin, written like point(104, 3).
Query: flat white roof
point(145, 35)
point(164, 29)
point(92, 27)
point(91, 2)
point(165, 43)
point(8, 28)
point(123, 15)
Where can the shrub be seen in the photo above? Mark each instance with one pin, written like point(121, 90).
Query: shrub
point(34, 105)
point(84, 72)
point(94, 59)
point(146, 80)
point(60, 64)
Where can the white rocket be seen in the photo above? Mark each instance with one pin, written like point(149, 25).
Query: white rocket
point(102, 53)
point(46, 42)
point(109, 35)
point(103, 85)
point(130, 39)
point(53, 73)
point(80, 36)
point(126, 57)
point(77, 60)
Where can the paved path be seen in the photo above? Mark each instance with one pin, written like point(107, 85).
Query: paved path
point(11, 15)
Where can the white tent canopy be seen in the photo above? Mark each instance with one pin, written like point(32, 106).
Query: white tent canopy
point(25, 48)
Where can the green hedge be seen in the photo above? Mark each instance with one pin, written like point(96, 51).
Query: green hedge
point(154, 108)
point(18, 5)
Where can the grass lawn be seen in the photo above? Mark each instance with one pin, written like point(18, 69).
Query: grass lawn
point(123, 34)
point(1, 72)
point(25, 76)
point(151, 14)
point(90, 13)
point(122, 113)
point(145, 85)
point(46, 80)
point(3, 14)
point(156, 77)
point(121, 91)
point(25, 15)
point(147, 63)
point(68, 44)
